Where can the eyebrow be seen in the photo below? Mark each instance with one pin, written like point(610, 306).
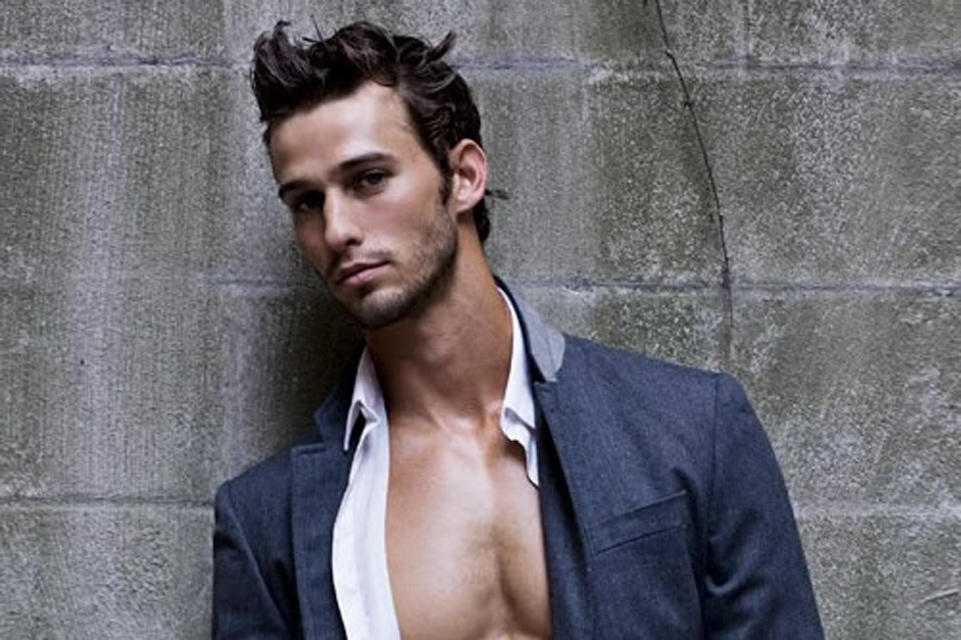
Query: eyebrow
point(344, 167)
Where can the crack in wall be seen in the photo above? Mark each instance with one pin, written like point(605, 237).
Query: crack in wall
point(727, 330)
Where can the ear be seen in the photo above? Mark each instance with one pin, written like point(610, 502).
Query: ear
point(468, 164)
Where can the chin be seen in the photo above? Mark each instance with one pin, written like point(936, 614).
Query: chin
point(379, 309)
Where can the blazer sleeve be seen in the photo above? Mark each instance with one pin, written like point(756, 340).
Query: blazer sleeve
point(243, 606)
point(757, 583)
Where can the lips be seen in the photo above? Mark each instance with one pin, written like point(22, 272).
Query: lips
point(356, 272)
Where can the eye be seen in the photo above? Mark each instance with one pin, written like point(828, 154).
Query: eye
point(307, 202)
point(371, 180)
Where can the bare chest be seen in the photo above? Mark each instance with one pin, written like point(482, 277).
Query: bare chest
point(464, 543)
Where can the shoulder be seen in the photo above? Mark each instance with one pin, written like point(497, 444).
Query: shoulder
point(261, 493)
point(269, 477)
point(648, 408)
point(635, 378)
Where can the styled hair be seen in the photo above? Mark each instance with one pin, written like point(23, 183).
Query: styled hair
point(289, 76)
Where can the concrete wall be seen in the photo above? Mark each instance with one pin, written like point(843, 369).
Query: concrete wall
point(159, 331)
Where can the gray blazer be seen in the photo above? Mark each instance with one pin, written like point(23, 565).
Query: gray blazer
point(664, 512)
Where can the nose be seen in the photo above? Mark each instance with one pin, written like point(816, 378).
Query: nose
point(340, 224)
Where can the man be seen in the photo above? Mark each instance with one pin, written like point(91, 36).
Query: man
point(478, 474)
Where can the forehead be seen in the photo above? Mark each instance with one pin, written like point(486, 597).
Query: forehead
point(372, 119)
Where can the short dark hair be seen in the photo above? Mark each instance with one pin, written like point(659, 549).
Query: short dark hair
point(289, 76)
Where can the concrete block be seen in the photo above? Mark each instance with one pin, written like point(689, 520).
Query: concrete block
point(105, 572)
point(896, 32)
point(838, 179)
point(502, 31)
point(605, 182)
point(149, 388)
point(860, 392)
point(681, 326)
point(533, 131)
point(649, 193)
point(111, 388)
point(284, 350)
point(885, 575)
point(114, 171)
point(700, 31)
point(104, 30)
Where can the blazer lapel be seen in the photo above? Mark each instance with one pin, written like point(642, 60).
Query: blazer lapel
point(317, 470)
point(564, 546)
point(319, 478)
point(561, 515)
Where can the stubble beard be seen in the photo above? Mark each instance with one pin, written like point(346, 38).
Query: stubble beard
point(435, 257)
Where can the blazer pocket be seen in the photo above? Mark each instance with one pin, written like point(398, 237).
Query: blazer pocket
point(662, 515)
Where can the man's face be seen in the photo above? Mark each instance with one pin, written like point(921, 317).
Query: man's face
point(365, 200)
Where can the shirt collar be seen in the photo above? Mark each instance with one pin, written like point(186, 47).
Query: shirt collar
point(518, 405)
point(367, 400)
point(518, 400)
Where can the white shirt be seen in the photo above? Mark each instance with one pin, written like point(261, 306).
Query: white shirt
point(359, 561)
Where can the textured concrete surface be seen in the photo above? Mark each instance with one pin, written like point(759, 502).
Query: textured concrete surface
point(677, 325)
point(92, 571)
point(861, 392)
point(110, 388)
point(282, 351)
point(839, 179)
point(113, 172)
point(921, 33)
point(604, 179)
point(219, 31)
point(160, 331)
point(890, 573)
point(98, 31)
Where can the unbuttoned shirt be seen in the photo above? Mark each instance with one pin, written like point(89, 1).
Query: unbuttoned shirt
point(359, 561)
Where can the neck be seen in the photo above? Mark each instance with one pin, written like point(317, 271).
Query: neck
point(449, 363)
